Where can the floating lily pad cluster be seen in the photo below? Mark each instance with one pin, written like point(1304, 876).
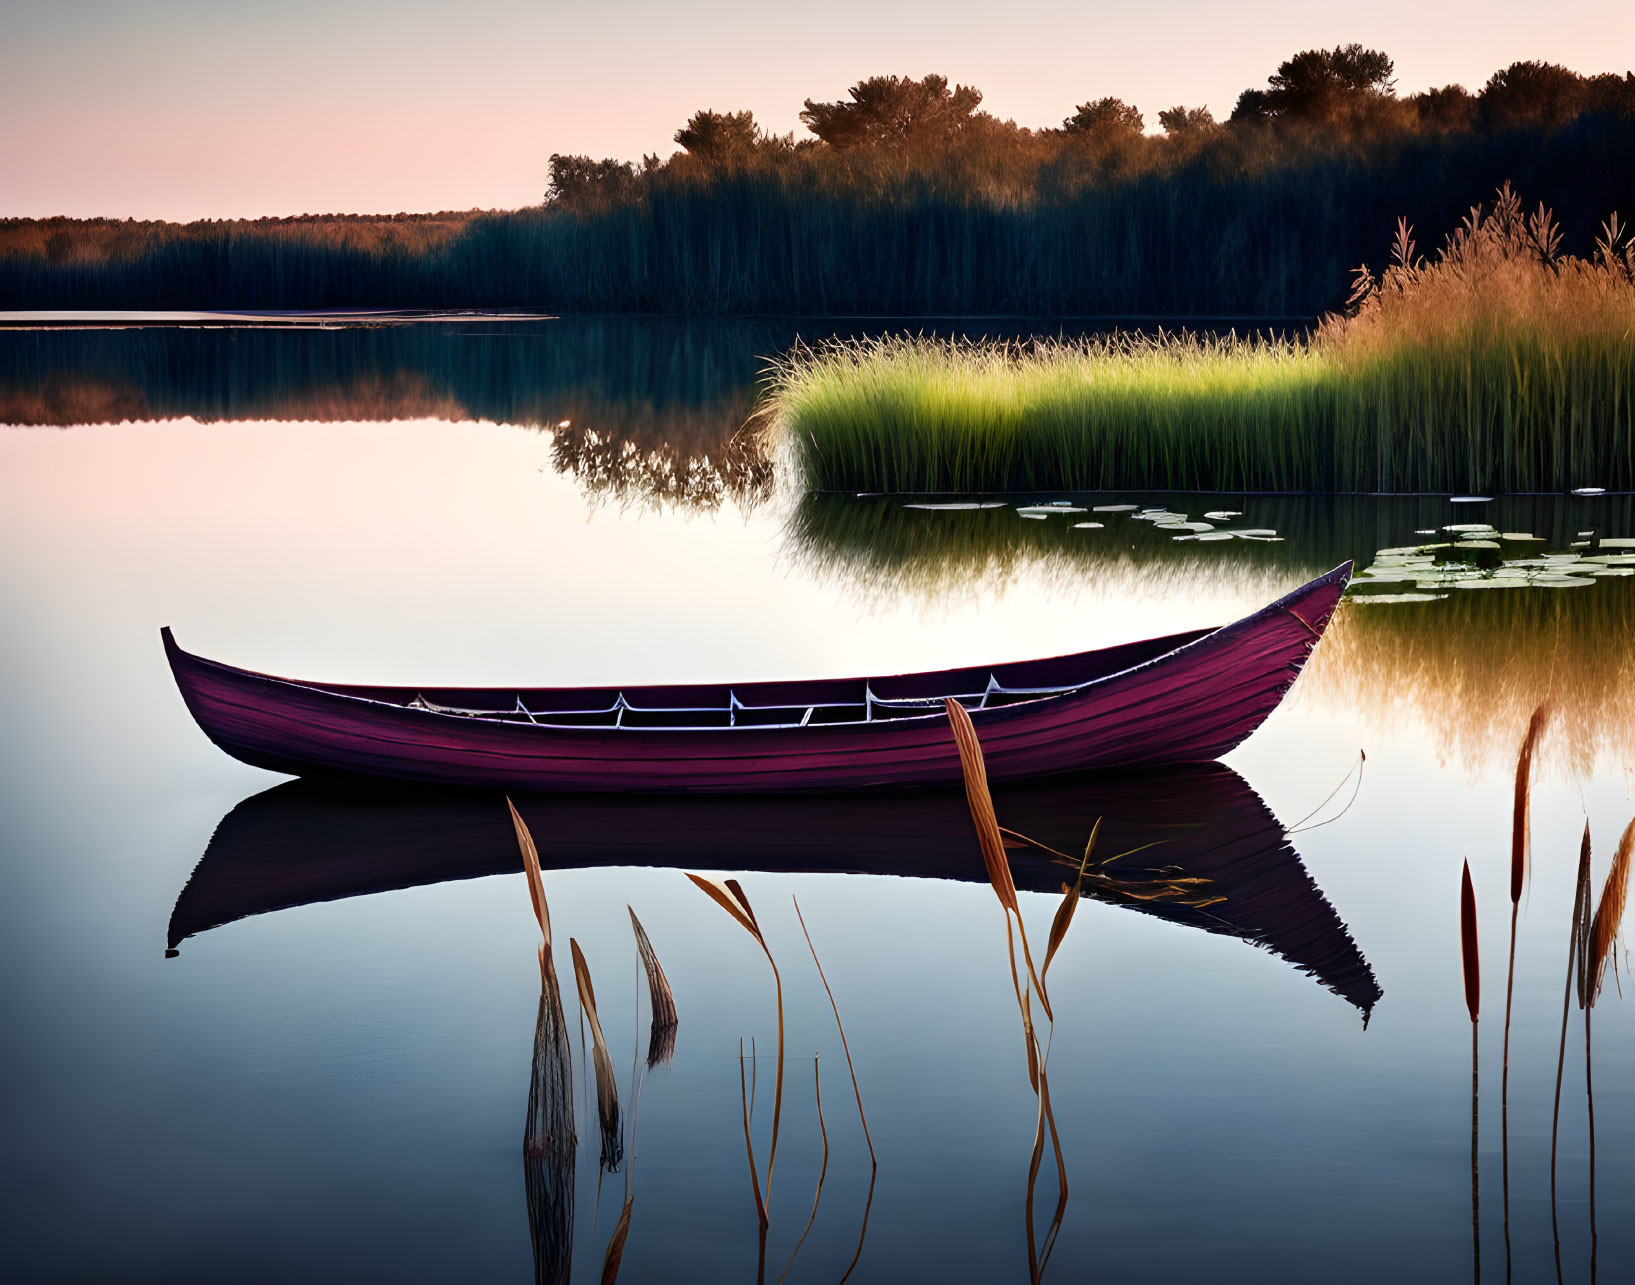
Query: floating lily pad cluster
point(1476, 555)
point(1178, 526)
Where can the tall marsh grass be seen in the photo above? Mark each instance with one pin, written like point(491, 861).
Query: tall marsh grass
point(1499, 364)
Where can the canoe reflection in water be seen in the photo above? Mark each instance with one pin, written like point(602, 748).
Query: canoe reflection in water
point(301, 842)
point(304, 842)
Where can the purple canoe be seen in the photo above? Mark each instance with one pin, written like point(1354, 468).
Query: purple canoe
point(1182, 698)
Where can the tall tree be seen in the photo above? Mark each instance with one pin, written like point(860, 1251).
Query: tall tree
point(1532, 95)
point(719, 136)
point(1313, 83)
point(1186, 120)
point(578, 179)
point(1105, 117)
point(893, 110)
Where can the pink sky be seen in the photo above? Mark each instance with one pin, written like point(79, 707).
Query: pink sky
point(195, 108)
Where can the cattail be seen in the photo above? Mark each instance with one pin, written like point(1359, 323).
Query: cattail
point(1467, 945)
point(1609, 914)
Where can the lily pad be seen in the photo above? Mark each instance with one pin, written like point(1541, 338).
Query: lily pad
point(1491, 584)
point(1470, 499)
point(1088, 526)
point(1113, 508)
point(1374, 599)
point(1185, 526)
point(1221, 515)
point(957, 508)
point(1462, 527)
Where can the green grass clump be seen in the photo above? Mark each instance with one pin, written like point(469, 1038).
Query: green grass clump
point(1500, 365)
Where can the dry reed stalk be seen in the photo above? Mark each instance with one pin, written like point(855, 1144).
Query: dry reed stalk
point(845, 1047)
point(1598, 944)
point(863, 1231)
point(530, 866)
point(607, 1089)
point(749, 1146)
point(989, 839)
point(730, 897)
point(662, 1000)
point(1520, 843)
point(549, 1141)
point(1576, 938)
point(1070, 903)
point(615, 1244)
point(823, 1169)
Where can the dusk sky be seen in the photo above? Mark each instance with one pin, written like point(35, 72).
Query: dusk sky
point(204, 108)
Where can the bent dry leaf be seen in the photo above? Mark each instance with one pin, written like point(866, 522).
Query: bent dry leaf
point(1070, 902)
point(530, 866)
point(717, 892)
point(615, 1245)
point(607, 1089)
point(660, 997)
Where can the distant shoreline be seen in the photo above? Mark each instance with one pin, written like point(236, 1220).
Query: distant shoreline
point(338, 318)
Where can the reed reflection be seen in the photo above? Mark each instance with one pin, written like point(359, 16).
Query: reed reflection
point(1473, 666)
point(640, 411)
point(1470, 666)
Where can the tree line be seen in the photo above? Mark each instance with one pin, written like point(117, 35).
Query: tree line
point(906, 198)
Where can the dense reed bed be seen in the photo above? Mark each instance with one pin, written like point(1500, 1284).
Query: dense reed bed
point(1258, 218)
point(1500, 364)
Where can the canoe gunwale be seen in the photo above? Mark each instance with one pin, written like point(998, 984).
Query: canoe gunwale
point(1034, 698)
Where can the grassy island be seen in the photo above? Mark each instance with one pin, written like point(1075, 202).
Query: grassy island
point(1502, 363)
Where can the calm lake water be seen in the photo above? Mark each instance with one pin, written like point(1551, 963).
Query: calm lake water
point(266, 1033)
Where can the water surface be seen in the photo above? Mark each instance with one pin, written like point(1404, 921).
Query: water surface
point(329, 1077)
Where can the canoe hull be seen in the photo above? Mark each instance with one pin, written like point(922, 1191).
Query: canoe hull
point(1191, 704)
